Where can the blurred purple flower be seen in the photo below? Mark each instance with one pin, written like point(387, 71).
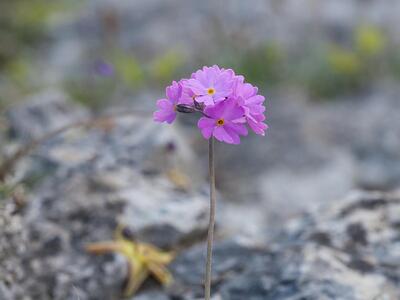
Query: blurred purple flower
point(103, 68)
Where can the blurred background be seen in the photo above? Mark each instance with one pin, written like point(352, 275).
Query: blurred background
point(314, 203)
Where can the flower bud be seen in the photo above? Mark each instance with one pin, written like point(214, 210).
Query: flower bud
point(182, 108)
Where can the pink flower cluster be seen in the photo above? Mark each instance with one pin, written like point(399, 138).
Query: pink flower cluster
point(226, 102)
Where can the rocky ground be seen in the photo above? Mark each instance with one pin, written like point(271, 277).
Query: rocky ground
point(350, 143)
point(299, 212)
point(127, 170)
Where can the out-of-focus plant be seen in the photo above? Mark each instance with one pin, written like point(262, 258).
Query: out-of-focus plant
point(6, 190)
point(167, 66)
point(343, 62)
point(91, 89)
point(95, 84)
point(22, 28)
point(262, 65)
point(369, 41)
point(19, 74)
point(128, 69)
point(395, 63)
point(333, 69)
point(22, 25)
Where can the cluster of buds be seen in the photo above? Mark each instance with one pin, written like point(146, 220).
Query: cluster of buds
point(225, 101)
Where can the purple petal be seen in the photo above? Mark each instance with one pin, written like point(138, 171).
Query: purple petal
point(258, 127)
point(206, 126)
point(215, 111)
point(207, 100)
point(174, 91)
point(166, 112)
point(205, 122)
point(257, 99)
point(164, 104)
point(196, 87)
point(232, 111)
point(163, 116)
point(233, 134)
point(238, 128)
point(222, 136)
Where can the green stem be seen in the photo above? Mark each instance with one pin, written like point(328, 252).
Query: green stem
point(210, 238)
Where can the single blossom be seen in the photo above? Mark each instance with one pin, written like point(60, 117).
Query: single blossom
point(167, 107)
point(211, 84)
point(225, 121)
point(253, 106)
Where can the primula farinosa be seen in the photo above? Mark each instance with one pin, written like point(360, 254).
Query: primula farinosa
point(227, 104)
point(167, 107)
point(211, 84)
point(225, 121)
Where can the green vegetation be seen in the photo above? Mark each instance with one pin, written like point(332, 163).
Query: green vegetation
point(263, 65)
point(123, 73)
point(325, 69)
point(166, 67)
point(23, 26)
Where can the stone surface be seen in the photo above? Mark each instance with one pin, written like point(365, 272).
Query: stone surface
point(347, 251)
point(42, 113)
point(126, 171)
point(85, 181)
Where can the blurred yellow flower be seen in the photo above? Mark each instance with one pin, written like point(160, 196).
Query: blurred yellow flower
point(343, 61)
point(369, 40)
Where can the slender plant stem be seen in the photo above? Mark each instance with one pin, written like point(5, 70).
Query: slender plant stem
point(210, 238)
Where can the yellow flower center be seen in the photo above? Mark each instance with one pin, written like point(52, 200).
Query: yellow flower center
point(211, 91)
point(220, 122)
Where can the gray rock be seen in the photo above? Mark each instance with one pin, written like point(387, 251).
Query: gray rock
point(229, 260)
point(42, 113)
point(347, 251)
point(98, 178)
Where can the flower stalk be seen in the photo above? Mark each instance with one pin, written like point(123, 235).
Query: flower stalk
point(211, 224)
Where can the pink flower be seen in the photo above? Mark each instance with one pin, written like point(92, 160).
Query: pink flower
point(211, 84)
point(257, 125)
point(253, 106)
point(188, 96)
point(226, 102)
point(167, 107)
point(224, 121)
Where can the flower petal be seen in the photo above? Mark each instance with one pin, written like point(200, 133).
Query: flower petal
point(174, 92)
point(164, 116)
point(239, 128)
point(233, 134)
point(206, 126)
point(207, 100)
point(222, 136)
point(196, 87)
point(232, 111)
point(164, 104)
point(258, 127)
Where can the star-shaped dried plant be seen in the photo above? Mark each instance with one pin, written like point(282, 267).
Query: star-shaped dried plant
point(143, 259)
